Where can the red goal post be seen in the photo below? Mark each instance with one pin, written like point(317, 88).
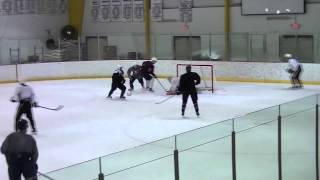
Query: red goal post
point(205, 72)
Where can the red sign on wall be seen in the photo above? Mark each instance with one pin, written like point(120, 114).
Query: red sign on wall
point(295, 25)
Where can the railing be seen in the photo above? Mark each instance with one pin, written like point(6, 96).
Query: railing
point(261, 47)
point(279, 142)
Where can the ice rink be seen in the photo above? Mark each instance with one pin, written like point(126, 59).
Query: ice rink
point(90, 125)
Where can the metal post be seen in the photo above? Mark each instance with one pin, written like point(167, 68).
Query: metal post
point(210, 47)
point(279, 146)
point(79, 49)
point(101, 175)
point(227, 28)
point(42, 54)
point(59, 44)
point(98, 41)
point(233, 141)
point(19, 56)
point(34, 50)
point(317, 140)
point(147, 29)
point(176, 160)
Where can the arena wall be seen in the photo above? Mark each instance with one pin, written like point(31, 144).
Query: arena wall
point(228, 71)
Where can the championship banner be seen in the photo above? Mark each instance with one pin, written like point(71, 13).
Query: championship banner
point(185, 8)
point(105, 11)
point(127, 10)
point(95, 10)
point(138, 10)
point(156, 10)
point(17, 7)
point(116, 10)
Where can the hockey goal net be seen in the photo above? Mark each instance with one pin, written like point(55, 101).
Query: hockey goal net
point(205, 72)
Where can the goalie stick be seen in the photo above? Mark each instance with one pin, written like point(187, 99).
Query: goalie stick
point(53, 109)
point(166, 99)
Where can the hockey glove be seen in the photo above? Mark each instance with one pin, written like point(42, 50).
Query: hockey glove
point(35, 104)
point(12, 99)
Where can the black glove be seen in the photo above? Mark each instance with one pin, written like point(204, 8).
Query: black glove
point(35, 104)
point(12, 99)
point(178, 93)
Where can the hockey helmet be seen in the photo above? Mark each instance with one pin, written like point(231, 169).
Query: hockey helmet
point(188, 68)
point(21, 80)
point(22, 124)
point(119, 66)
point(154, 60)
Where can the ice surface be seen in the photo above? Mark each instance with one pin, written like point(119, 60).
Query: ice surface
point(90, 125)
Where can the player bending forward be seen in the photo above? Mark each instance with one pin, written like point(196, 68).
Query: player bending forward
point(295, 69)
point(134, 72)
point(118, 82)
point(187, 86)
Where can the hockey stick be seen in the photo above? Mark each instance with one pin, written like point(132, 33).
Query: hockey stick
point(53, 109)
point(164, 100)
point(41, 174)
point(160, 84)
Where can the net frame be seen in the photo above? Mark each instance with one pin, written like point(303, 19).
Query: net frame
point(211, 87)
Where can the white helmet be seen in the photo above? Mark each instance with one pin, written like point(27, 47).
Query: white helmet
point(154, 59)
point(21, 80)
point(119, 67)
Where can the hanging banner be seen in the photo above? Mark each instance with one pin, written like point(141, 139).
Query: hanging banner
point(127, 10)
point(105, 11)
point(185, 8)
point(156, 10)
point(116, 10)
point(63, 7)
point(17, 7)
point(138, 10)
point(95, 10)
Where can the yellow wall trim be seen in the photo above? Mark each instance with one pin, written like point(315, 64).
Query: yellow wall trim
point(230, 79)
point(76, 11)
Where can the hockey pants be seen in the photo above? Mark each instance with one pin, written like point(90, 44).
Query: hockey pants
point(194, 98)
point(24, 108)
point(115, 86)
point(23, 165)
point(295, 78)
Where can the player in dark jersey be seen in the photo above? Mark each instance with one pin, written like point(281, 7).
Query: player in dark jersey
point(187, 86)
point(118, 82)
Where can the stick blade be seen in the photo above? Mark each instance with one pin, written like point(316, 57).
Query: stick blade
point(59, 107)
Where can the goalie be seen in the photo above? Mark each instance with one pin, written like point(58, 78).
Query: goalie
point(294, 69)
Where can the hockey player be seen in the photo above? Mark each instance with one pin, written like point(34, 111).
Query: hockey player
point(24, 94)
point(147, 70)
point(21, 152)
point(187, 86)
point(134, 72)
point(295, 69)
point(118, 82)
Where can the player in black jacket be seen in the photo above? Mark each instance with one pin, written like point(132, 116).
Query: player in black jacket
point(147, 70)
point(187, 86)
point(118, 82)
